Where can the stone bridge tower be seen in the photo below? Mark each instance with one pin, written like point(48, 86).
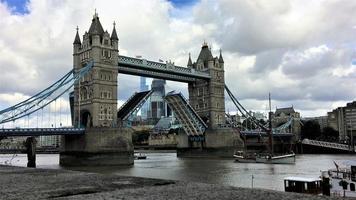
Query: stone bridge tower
point(95, 99)
point(208, 100)
point(207, 97)
point(95, 104)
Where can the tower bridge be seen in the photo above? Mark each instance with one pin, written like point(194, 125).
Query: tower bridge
point(96, 63)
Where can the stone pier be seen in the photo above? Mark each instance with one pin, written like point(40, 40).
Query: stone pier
point(98, 147)
point(219, 142)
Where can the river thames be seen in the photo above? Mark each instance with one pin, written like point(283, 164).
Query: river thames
point(217, 171)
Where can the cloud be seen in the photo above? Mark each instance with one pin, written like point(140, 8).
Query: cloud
point(300, 51)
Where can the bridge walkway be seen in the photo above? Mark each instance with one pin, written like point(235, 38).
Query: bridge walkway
point(41, 131)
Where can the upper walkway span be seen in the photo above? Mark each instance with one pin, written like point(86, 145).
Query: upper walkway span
point(167, 71)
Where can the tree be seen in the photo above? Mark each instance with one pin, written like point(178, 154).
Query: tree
point(249, 124)
point(310, 130)
point(330, 133)
point(139, 137)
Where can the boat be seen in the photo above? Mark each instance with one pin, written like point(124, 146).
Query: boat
point(240, 156)
point(140, 156)
point(269, 157)
point(265, 158)
point(341, 180)
point(303, 185)
point(276, 159)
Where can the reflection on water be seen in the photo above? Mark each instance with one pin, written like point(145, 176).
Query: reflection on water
point(219, 171)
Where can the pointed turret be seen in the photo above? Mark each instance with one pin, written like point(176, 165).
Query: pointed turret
point(113, 34)
point(190, 64)
point(95, 27)
point(221, 60)
point(205, 53)
point(77, 38)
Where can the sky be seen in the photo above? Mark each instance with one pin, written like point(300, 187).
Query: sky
point(302, 52)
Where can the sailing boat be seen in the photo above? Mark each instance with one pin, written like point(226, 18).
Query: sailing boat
point(269, 158)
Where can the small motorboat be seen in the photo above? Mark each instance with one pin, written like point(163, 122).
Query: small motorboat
point(140, 156)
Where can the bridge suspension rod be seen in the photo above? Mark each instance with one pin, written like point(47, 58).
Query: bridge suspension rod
point(45, 97)
point(240, 108)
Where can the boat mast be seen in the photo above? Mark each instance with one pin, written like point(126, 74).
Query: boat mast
point(270, 125)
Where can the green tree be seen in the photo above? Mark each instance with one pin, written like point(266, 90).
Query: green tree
point(249, 124)
point(330, 134)
point(310, 130)
point(139, 137)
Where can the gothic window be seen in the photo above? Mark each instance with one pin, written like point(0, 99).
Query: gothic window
point(105, 112)
point(102, 113)
point(106, 42)
point(85, 93)
point(200, 91)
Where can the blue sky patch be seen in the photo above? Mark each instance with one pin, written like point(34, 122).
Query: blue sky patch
point(182, 3)
point(17, 6)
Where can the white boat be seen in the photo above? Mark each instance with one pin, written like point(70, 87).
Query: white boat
point(281, 159)
point(268, 159)
point(243, 158)
point(342, 180)
point(140, 156)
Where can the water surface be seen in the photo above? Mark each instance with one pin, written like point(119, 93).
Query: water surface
point(218, 171)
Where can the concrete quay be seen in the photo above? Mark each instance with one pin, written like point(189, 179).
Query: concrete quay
point(29, 183)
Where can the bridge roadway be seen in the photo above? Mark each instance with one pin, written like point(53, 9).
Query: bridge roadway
point(331, 145)
point(167, 71)
point(41, 131)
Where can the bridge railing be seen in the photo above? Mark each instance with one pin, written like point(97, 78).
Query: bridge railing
point(327, 144)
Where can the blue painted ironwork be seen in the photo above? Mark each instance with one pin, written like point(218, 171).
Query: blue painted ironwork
point(243, 111)
point(168, 71)
point(45, 97)
point(192, 124)
point(41, 131)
